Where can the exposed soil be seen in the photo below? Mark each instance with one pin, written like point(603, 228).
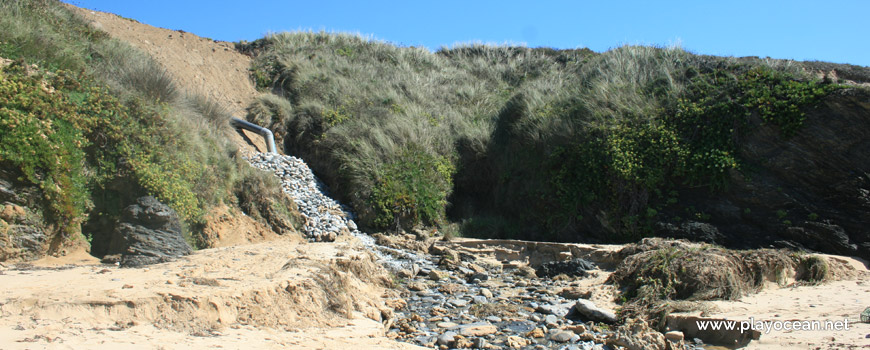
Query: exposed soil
point(199, 65)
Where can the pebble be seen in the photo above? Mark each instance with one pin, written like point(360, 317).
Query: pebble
point(477, 329)
point(446, 338)
point(561, 336)
point(551, 320)
point(458, 302)
point(446, 324)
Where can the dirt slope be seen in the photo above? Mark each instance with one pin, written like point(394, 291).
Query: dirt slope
point(199, 65)
point(209, 68)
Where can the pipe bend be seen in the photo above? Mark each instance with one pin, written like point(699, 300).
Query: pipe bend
point(266, 133)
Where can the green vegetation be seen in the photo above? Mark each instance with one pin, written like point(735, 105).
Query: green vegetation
point(95, 123)
point(514, 141)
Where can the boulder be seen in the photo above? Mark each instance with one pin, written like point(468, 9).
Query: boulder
point(150, 232)
point(575, 267)
point(587, 310)
point(822, 237)
point(692, 230)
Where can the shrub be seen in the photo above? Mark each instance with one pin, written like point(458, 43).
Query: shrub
point(41, 136)
point(412, 189)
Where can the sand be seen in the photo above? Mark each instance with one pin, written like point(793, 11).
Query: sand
point(266, 295)
point(834, 301)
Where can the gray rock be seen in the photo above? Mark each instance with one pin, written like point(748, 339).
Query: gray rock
point(589, 311)
point(150, 233)
point(458, 302)
point(446, 339)
point(7, 192)
point(822, 237)
point(494, 319)
point(551, 320)
point(29, 238)
point(576, 267)
point(479, 299)
point(478, 277)
point(694, 231)
point(560, 310)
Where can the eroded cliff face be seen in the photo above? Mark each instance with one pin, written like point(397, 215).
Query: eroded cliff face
point(810, 190)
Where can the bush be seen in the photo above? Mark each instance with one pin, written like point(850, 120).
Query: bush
point(41, 135)
point(411, 190)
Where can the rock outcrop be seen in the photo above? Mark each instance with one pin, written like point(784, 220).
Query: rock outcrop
point(149, 232)
point(810, 190)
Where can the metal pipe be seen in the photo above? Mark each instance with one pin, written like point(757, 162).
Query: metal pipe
point(266, 133)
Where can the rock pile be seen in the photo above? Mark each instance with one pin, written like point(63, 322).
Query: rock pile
point(324, 217)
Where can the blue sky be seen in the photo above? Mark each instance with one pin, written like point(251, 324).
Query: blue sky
point(830, 30)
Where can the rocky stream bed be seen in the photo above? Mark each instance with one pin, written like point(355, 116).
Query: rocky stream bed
point(451, 300)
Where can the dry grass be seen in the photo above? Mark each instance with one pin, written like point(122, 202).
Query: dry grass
point(343, 278)
point(660, 276)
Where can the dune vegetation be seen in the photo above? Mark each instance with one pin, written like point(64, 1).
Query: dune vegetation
point(516, 142)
